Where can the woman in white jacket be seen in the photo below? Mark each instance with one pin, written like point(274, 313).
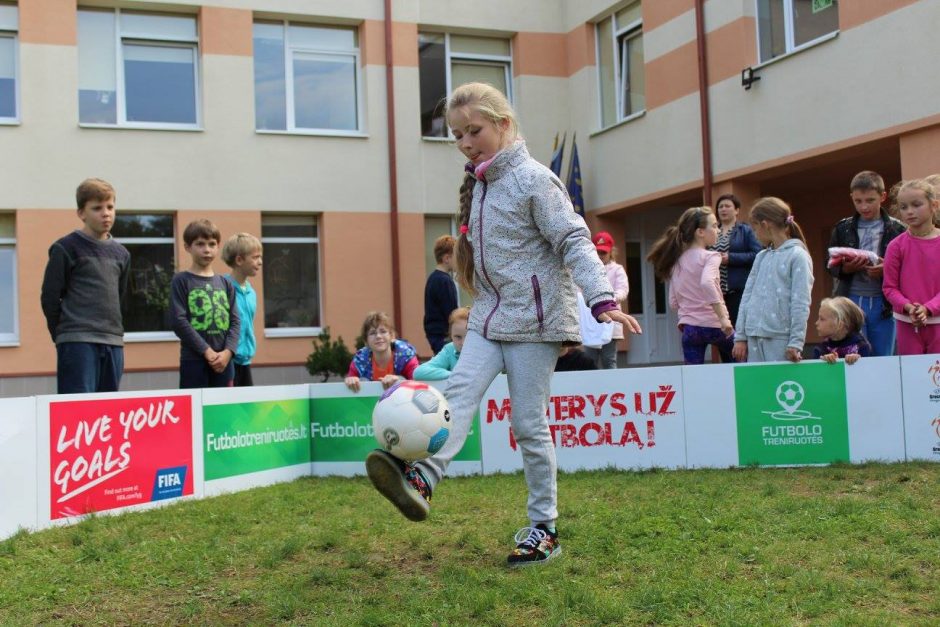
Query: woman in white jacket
point(520, 252)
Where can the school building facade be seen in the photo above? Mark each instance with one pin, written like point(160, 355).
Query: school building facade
point(316, 125)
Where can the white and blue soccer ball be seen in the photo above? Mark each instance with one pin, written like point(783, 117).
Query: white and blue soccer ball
point(411, 420)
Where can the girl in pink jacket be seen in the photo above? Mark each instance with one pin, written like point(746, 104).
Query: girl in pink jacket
point(681, 258)
point(911, 281)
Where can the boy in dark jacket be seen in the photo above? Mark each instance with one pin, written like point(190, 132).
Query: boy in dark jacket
point(871, 229)
point(82, 293)
point(440, 294)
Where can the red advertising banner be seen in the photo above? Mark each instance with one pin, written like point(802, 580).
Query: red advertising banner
point(111, 453)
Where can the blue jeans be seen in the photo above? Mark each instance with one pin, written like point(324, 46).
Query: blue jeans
point(695, 339)
point(197, 373)
point(86, 367)
point(880, 332)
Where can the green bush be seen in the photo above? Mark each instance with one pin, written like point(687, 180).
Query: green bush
point(328, 356)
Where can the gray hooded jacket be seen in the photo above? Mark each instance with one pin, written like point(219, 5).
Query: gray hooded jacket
point(528, 245)
point(776, 298)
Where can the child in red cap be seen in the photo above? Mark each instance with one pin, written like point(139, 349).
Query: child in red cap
point(606, 355)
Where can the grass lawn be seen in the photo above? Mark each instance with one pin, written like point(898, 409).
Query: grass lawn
point(835, 545)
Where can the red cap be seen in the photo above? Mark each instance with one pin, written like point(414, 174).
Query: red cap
point(603, 241)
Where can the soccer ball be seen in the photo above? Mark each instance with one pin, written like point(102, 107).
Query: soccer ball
point(790, 395)
point(411, 420)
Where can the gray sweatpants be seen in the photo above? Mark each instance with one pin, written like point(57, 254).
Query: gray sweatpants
point(766, 349)
point(529, 367)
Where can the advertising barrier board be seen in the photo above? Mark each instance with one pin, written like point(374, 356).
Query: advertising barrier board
point(342, 435)
point(18, 465)
point(791, 414)
point(101, 452)
point(598, 419)
point(921, 377)
point(255, 436)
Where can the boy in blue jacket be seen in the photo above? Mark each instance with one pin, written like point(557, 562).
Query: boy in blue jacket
point(242, 253)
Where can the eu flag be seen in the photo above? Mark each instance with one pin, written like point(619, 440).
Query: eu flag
point(575, 189)
point(557, 155)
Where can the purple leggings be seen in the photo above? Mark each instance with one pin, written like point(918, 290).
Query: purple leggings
point(696, 339)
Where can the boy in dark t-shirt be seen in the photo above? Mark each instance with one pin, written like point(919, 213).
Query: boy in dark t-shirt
point(204, 314)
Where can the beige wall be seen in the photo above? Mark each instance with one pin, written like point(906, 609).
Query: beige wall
point(810, 112)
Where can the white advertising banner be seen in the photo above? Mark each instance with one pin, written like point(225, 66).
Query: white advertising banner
point(18, 465)
point(711, 429)
point(875, 410)
point(921, 386)
point(628, 418)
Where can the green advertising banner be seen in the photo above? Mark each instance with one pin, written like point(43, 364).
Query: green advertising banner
point(341, 430)
point(791, 414)
point(240, 438)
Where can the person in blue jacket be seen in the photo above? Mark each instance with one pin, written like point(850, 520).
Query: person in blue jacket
point(738, 247)
point(441, 365)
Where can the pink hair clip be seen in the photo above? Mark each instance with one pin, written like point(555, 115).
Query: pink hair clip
point(790, 219)
point(464, 229)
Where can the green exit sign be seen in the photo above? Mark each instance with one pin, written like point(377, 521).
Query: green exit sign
point(821, 5)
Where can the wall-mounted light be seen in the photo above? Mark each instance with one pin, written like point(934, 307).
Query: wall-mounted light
point(749, 77)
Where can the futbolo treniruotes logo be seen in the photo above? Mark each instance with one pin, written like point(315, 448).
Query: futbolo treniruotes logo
point(790, 395)
point(791, 414)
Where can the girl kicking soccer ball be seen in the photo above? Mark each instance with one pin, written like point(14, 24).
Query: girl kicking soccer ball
point(520, 245)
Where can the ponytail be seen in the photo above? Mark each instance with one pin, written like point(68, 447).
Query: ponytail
point(463, 252)
point(779, 214)
point(675, 239)
point(795, 232)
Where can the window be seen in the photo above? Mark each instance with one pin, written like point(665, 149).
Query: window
point(447, 61)
point(137, 69)
point(291, 274)
point(9, 19)
point(149, 238)
point(620, 65)
point(307, 78)
point(786, 25)
point(9, 328)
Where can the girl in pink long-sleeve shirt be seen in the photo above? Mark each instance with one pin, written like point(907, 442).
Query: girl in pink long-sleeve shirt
point(911, 281)
point(680, 257)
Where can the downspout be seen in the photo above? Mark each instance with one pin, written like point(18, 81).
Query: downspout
point(704, 113)
point(392, 166)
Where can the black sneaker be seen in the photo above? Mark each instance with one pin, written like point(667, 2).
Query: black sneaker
point(401, 483)
point(535, 545)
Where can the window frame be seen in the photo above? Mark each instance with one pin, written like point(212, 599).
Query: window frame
point(148, 39)
point(277, 332)
point(289, 52)
point(789, 34)
point(491, 60)
point(12, 339)
point(151, 336)
point(13, 34)
point(620, 35)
